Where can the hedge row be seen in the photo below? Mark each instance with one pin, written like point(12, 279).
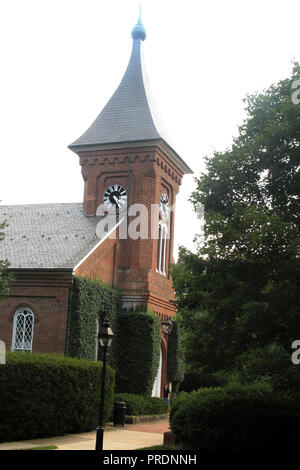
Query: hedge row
point(235, 418)
point(47, 395)
point(137, 405)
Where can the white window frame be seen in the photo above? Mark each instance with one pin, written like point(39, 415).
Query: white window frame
point(162, 247)
point(23, 334)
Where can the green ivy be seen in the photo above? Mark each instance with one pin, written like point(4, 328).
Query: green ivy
point(91, 299)
point(176, 362)
point(137, 348)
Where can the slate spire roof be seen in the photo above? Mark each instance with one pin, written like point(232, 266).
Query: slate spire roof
point(131, 114)
point(59, 236)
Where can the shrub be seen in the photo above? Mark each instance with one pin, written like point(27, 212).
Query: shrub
point(140, 405)
point(137, 349)
point(47, 395)
point(235, 417)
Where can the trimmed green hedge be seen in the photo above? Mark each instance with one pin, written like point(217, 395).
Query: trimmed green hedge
point(47, 395)
point(140, 405)
point(137, 351)
point(91, 298)
point(235, 417)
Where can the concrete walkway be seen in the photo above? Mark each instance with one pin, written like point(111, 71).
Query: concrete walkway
point(115, 438)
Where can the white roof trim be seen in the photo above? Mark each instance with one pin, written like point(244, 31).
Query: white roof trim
point(98, 244)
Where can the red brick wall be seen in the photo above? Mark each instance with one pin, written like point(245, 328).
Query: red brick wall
point(47, 295)
point(102, 263)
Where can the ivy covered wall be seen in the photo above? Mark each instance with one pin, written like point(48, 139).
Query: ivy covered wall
point(176, 361)
point(91, 298)
point(135, 349)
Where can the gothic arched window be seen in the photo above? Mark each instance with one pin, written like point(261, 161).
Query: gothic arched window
point(23, 330)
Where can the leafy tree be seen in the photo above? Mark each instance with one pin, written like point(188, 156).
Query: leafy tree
point(241, 290)
point(5, 278)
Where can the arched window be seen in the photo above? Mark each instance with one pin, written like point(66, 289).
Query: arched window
point(23, 330)
point(162, 248)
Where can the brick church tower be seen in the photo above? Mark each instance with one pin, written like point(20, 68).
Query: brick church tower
point(127, 164)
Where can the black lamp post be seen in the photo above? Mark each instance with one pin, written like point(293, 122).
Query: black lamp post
point(105, 337)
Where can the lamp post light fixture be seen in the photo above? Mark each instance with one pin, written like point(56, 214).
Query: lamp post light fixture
point(105, 337)
point(166, 327)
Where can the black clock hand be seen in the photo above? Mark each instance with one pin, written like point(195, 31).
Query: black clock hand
point(117, 202)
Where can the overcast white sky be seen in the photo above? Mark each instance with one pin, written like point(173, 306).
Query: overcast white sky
point(61, 60)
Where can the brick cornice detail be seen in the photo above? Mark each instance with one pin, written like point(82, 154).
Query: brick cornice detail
point(116, 157)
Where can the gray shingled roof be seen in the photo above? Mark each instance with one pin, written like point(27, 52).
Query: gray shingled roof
point(130, 114)
point(47, 235)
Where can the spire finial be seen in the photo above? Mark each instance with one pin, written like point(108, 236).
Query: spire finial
point(139, 32)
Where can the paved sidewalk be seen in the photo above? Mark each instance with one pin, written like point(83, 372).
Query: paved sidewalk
point(115, 438)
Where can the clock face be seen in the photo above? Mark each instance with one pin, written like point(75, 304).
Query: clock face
point(115, 197)
point(164, 205)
